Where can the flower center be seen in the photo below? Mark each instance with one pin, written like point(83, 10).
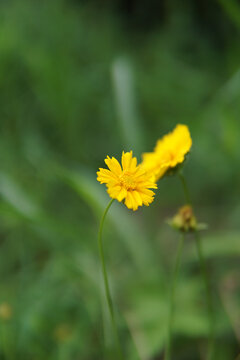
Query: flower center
point(127, 180)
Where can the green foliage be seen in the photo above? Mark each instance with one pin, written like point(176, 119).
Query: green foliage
point(78, 83)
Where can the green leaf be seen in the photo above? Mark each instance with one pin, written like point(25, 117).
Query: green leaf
point(129, 124)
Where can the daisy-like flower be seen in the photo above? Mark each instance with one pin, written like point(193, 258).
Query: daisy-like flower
point(169, 152)
point(129, 181)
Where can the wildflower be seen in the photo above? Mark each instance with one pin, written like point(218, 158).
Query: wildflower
point(169, 152)
point(129, 181)
point(5, 311)
point(152, 163)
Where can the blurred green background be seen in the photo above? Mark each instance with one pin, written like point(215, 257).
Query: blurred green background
point(80, 80)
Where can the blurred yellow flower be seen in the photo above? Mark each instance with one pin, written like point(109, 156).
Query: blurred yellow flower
point(169, 152)
point(63, 332)
point(5, 311)
point(152, 164)
point(129, 181)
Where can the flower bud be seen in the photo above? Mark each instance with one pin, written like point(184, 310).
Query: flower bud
point(184, 220)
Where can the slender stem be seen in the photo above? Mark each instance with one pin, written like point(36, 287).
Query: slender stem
point(172, 297)
point(106, 283)
point(204, 276)
point(185, 187)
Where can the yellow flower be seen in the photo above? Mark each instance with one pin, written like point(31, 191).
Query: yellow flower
point(129, 181)
point(152, 164)
point(169, 152)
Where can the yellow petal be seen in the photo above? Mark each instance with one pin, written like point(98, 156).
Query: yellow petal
point(128, 162)
point(122, 194)
point(113, 165)
point(137, 198)
point(106, 176)
point(147, 196)
point(114, 191)
point(133, 165)
point(130, 201)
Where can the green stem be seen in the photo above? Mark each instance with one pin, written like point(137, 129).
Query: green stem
point(106, 284)
point(172, 297)
point(185, 188)
point(204, 276)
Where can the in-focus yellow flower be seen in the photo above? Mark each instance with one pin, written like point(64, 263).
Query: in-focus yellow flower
point(129, 181)
point(169, 152)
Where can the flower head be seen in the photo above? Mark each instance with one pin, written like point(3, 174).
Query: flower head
point(169, 152)
point(129, 181)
